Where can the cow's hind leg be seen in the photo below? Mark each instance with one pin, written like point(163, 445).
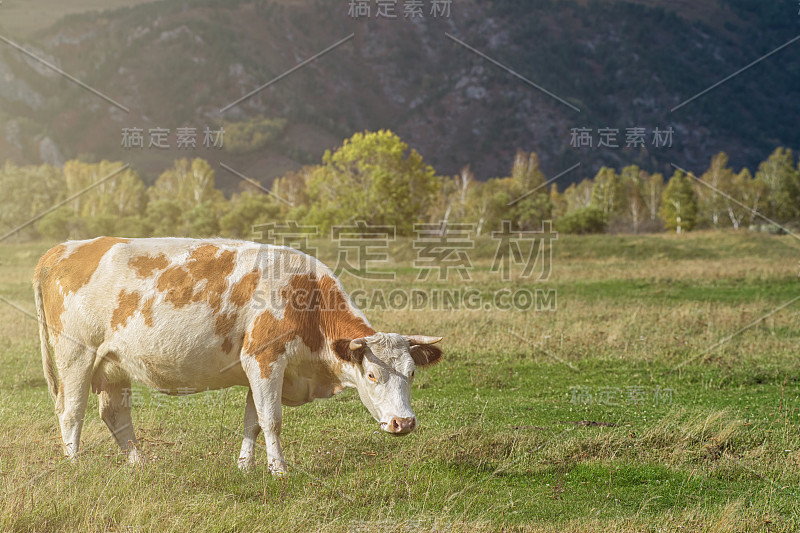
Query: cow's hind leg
point(74, 363)
point(115, 411)
point(252, 429)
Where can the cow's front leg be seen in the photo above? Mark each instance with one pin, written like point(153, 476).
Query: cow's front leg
point(267, 392)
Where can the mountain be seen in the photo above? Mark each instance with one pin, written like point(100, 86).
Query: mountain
point(451, 86)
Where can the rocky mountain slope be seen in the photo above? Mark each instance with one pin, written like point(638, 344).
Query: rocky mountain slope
point(174, 64)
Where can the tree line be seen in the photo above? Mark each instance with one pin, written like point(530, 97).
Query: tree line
point(376, 178)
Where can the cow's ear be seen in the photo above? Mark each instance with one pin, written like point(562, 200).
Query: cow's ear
point(425, 354)
point(341, 348)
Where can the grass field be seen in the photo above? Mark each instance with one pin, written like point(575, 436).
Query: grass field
point(638, 405)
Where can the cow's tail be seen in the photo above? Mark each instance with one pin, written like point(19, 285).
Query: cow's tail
point(44, 337)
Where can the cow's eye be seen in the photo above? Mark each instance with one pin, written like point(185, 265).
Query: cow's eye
point(372, 377)
point(412, 373)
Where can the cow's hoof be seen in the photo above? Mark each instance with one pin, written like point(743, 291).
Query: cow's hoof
point(135, 457)
point(278, 469)
point(247, 464)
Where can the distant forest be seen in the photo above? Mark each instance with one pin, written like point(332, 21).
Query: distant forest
point(375, 178)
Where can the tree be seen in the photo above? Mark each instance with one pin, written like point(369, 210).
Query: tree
point(27, 191)
point(291, 193)
point(184, 200)
point(252, 135)
point(608, 193)
point(189, 184)
point(531, 199)
point(719, 177)
point(373, 177)
point(558, 202)
point(746, 196)
point(653, 189)
point(246, 210)
point(580, 195)
point(583, 220)
point(679, 203)
point(165, 218)
point(633, 184)
point(782, 180)
point(122, 195)
point(487, 204)
point(452, 197)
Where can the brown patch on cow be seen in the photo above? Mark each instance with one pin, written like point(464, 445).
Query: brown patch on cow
point(177, 284)
point(75, 270)
point(227, 345)
point(145, 265)
point(224, 324)
point(204, 264)
point(242, 291)
point(314, 310)
point(71, 273)
point(266, 341)
point(338, 321)
point(127, 304)
point(183, 285)
point(52, 299)
point(147, 312)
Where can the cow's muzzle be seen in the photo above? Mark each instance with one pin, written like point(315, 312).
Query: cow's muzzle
point(401, 426)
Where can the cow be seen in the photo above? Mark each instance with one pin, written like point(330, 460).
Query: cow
point(182, 315)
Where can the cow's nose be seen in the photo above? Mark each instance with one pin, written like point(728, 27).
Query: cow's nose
point(401, 426)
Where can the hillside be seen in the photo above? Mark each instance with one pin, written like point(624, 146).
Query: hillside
point(175, 63)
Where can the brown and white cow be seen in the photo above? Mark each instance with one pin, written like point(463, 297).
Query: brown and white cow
point(193, 315)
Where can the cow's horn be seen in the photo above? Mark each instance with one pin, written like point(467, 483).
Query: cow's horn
point(423, 339)
point(355, 344)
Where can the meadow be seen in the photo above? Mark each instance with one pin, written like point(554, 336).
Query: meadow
point(660, 393)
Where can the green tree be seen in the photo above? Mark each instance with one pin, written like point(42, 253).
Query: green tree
point(583, 220)
point(291, 192)
point(122, 195)
point(531, 199)
point(580, 195)
point(782, 180)
point(558, 202)
point(185, 201)
point(28, 191)
point(679, 203)
point(61, 224)
point(711, 200)
point(653, 190)
point(201, 221)
point(374, 177)
point(164, 216)
point(487, 203)
point(452, 198)
point(252, 135)
point(634, 189)
point(745, 196)
point(189, 183)
point(246, 210)
point(608, 193)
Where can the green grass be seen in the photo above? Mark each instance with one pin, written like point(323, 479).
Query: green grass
point(508, 437)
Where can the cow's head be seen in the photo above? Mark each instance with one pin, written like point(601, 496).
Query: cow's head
point(382, 369)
